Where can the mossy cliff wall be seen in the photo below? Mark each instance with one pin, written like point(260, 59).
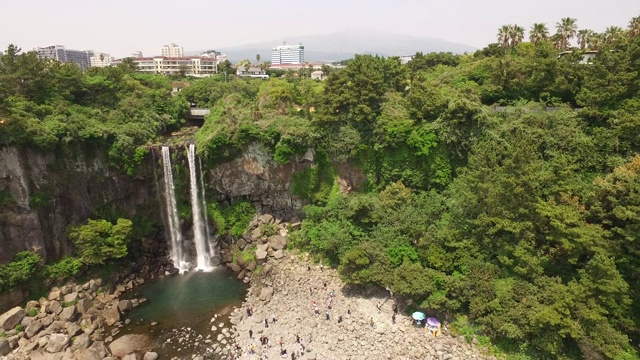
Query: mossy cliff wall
point(45, 192)
point(42, 193)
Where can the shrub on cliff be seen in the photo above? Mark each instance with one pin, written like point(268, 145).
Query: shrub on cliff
point(100, 240)
point(23, 268)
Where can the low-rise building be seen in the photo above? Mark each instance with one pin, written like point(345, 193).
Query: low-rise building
point(251, 71)
point(190, 66)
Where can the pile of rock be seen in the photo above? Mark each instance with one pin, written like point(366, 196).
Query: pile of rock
point(354, 329)
point(272, 246)
point(75, 321)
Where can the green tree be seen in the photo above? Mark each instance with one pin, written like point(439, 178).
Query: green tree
point(100, 240)
point(538, 33)
point(566, 30)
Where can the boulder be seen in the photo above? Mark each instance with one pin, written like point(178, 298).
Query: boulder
point(266, 293)
point(4, 347)
point(256, 233)
point(89, 354)
point(111, 315)
point(73, 329)
point(267, 269)
point(57, 343)
point(54, 307)
point(83, 305)
point(69, 313)
point(277, 242)
point(263, 247)
point(261, 255)
point(54, 295)
point(234, 267)
point(124, 306)
point(251, 266)
point(11, 318)
point(71, 297)
point(150, 356)
point(33, 328)
point(265, 219)
point(81, 342)
point(132, 356)
point(67, 289)
point(241, 244)
point(278, 254)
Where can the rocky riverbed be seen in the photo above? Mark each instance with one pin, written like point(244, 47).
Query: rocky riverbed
point(288, 289)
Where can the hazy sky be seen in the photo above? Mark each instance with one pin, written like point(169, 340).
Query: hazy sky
point(120, 27)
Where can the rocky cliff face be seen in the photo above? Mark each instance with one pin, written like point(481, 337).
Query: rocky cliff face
point(50, 191)
point(257, 177)
point(44, 193)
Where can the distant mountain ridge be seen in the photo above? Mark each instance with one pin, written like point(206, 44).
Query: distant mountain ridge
point(345, 44)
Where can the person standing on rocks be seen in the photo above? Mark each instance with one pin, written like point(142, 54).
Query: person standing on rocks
point(393, 318)
point(273, 318)
point(321, 267)
point(327, 313)
point(266, 324)
point(378, 306)
point(250, 334)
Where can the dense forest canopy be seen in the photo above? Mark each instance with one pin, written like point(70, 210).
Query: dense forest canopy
point(503, 185)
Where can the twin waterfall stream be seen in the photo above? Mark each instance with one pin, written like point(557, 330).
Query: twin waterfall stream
point(204, 246)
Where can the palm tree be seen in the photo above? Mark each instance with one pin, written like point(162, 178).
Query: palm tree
point(634, 27)
point(595, 41)
point(538, 33)
point(503, 36)
point(566, 29)
point(613, 34)
point(516, 35)
point(258, 58)
point(584, 37)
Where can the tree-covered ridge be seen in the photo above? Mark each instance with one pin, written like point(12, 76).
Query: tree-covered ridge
point(501, 184)
point(46, 104)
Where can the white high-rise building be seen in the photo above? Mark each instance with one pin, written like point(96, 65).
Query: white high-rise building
point(172, 51)
point(287, 54)
point(59, 53)
point(100, 60)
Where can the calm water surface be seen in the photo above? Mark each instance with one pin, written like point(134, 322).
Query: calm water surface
point(183, 306)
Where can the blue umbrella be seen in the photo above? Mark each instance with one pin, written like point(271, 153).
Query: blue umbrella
point(418, 316)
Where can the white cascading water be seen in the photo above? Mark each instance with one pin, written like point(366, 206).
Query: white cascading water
point(172, 213)
point(212, 250)
point(201, 238)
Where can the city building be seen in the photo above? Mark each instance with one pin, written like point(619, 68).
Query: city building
point(404, 59)
point(191, 66)
point(172, 51)
point(137, 54)
point(251, 71)
point(59, 53)
point(100, 60)
point(287, 54)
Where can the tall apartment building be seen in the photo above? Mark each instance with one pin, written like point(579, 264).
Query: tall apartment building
point(287, 54)
point(59, 53)
point(172, 51)
point(100, 60)
point(137, 54)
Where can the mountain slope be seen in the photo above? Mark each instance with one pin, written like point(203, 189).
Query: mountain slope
point(344, 44)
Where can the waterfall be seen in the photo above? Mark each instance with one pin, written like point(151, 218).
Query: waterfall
point(201, 238)
point(212, 250)
point(172, 213)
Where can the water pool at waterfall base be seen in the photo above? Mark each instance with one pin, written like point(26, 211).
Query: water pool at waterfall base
point(177, 316)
